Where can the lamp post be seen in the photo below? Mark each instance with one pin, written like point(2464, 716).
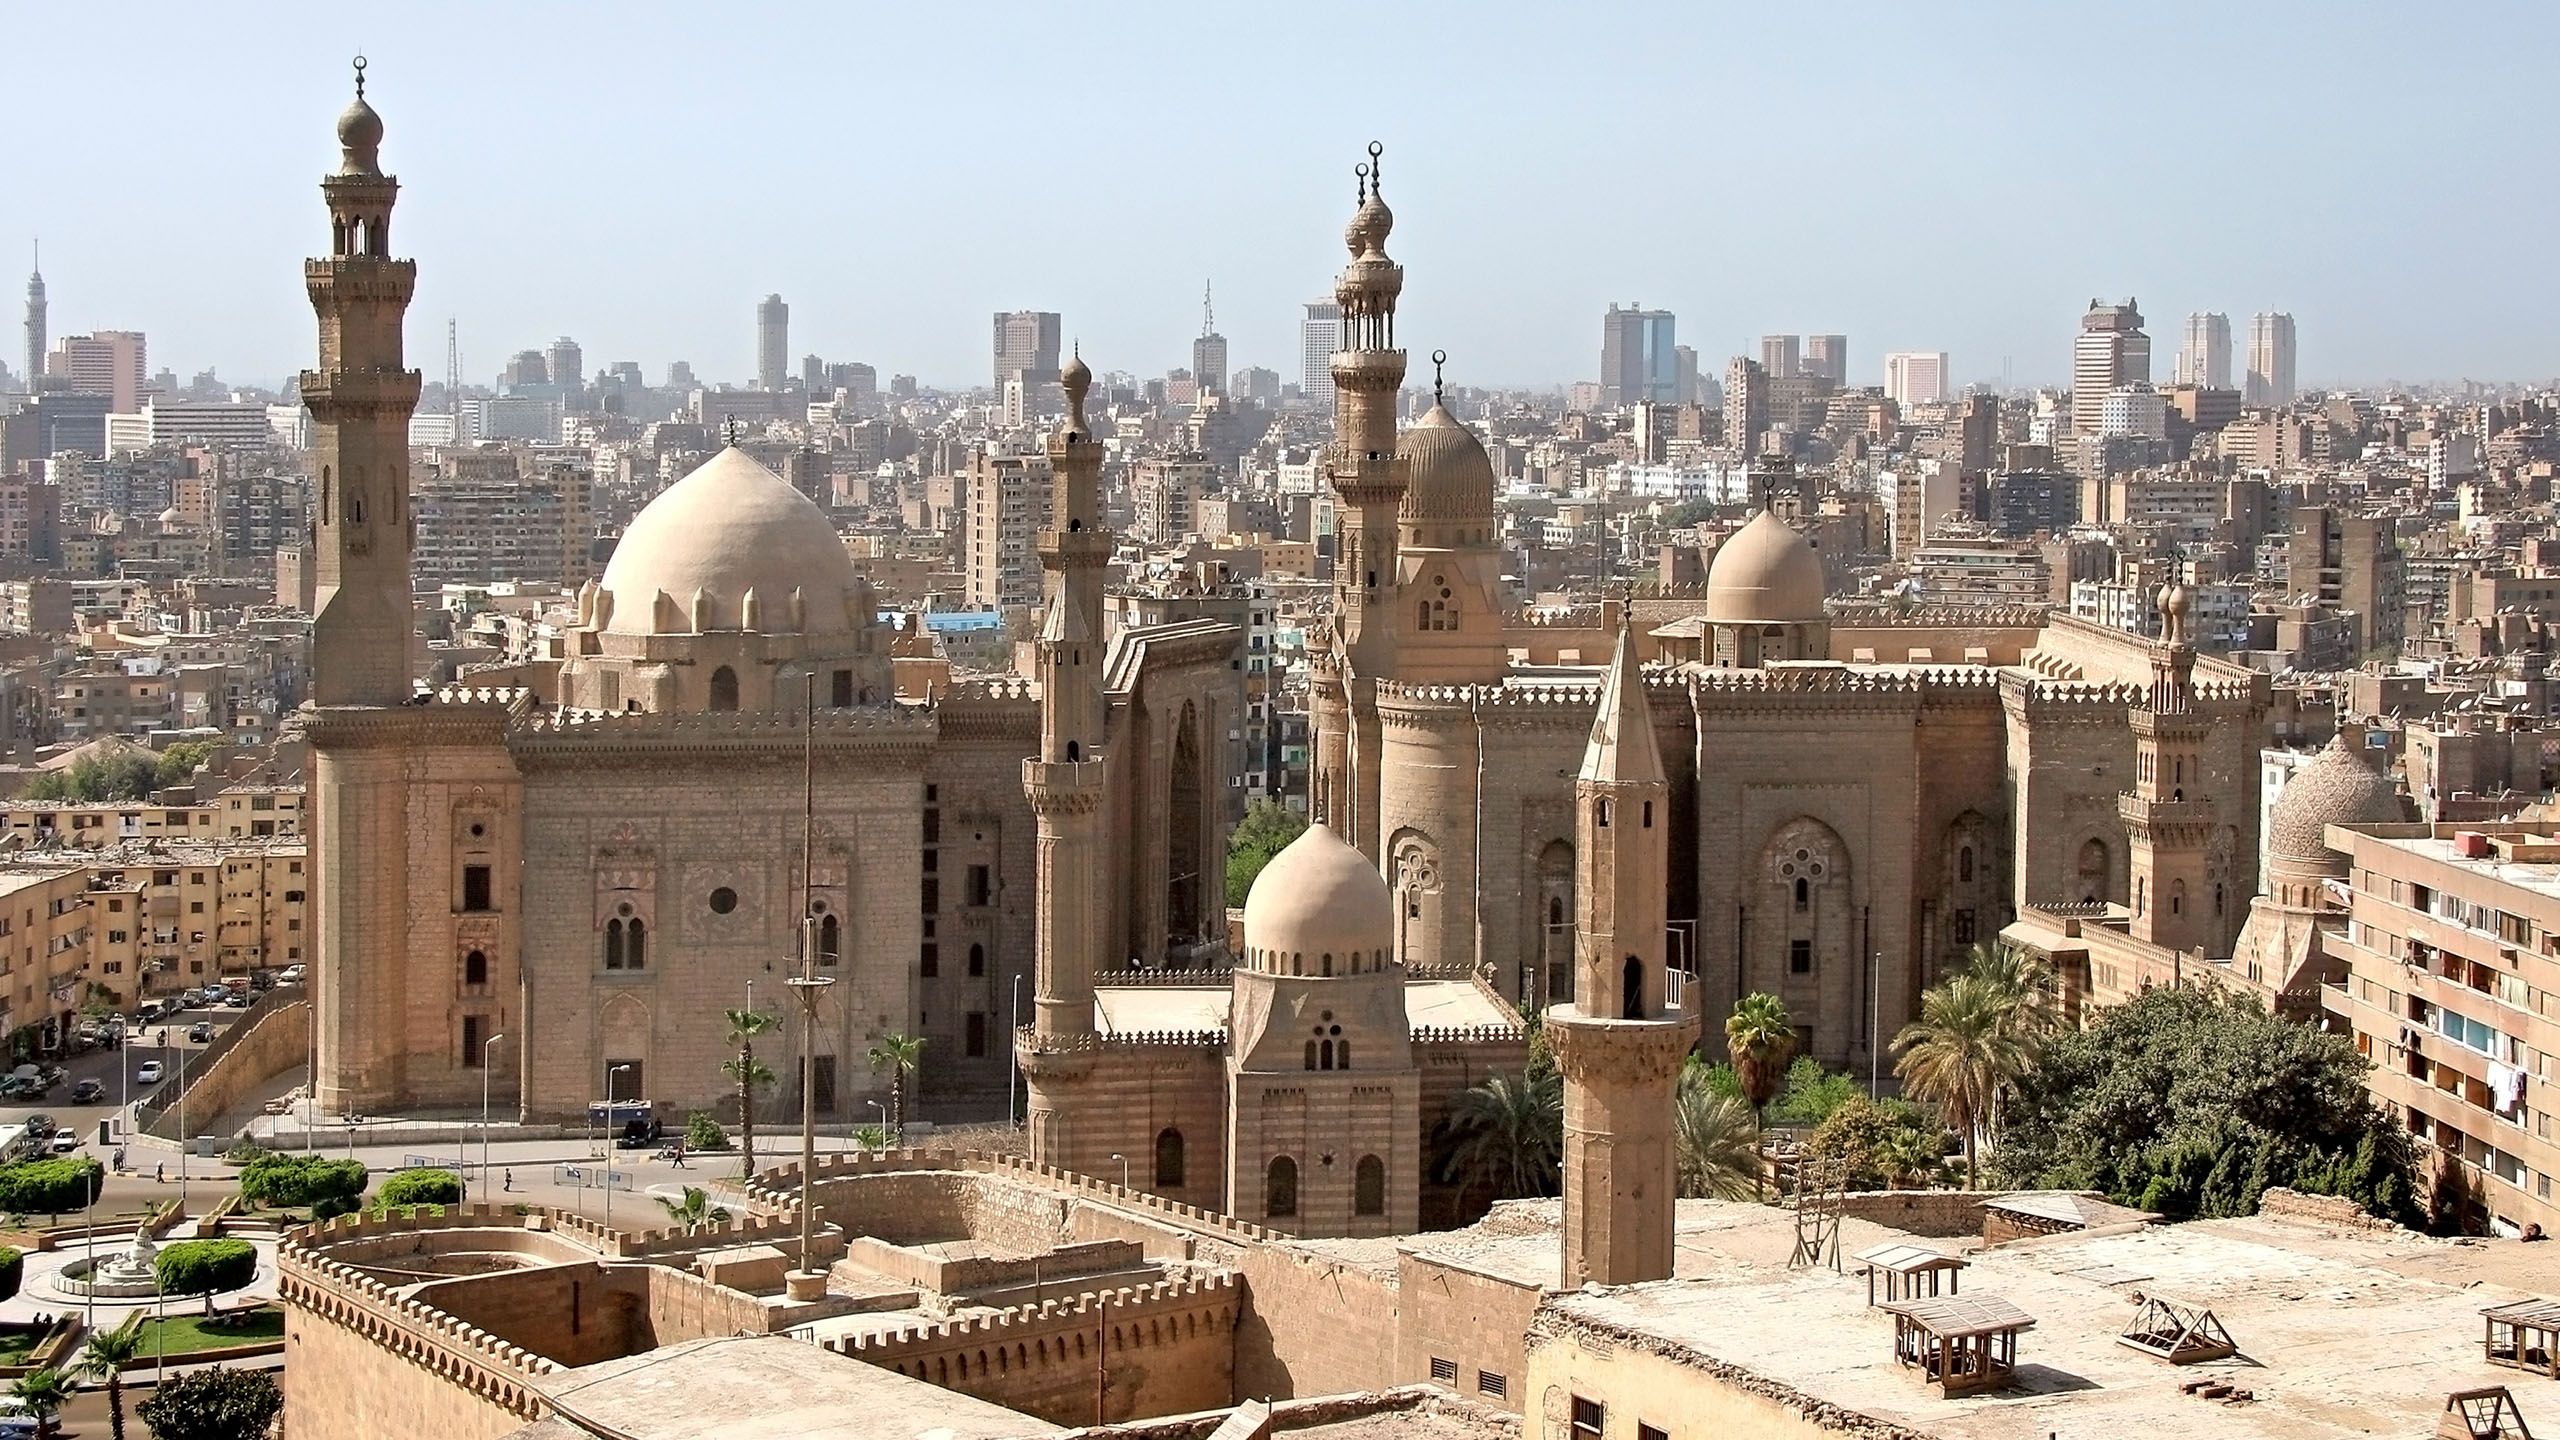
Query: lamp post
point(808, 1283)
point(182, 1129)
point(1013, 1063)
point(1124, 1168)
point(485, 1047)
point(608, 1153)
point(883, 1112)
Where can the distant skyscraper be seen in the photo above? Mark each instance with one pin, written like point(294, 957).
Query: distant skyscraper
point(35, 323)
point(2111, 350)
point(2205, 356)
point(1915, 377)
point(2270, 359)
point(680, 375)
point(1209, 352)
point(567, 365)
point(1826, 357)
point(1319, 335)
point(1026, 345)
point(773, 343)
point(525, 368)
point(1639, 362)
point(1746, 405)
point(1684, 375)
point(109, 363)
point(1782, 356)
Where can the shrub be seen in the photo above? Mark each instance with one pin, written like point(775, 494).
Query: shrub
point(50, 1187)
point(292, 1180)
point(1875, 1137)
point(333, 1207)
point(703, 1132)
point(201, 1267)
point(420, 1187)
point(213, 1405)
point(246, 1152)
point(13, 1268)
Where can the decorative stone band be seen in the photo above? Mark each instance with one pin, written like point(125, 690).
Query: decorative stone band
point(356, 727)
point(1588, 1048)
point(1030, 1042)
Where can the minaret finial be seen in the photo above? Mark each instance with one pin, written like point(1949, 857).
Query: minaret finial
point(359, 77)
point(1377, 169)
point(1438, 359)
point(1362, 170)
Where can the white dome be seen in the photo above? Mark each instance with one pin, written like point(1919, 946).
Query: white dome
point(730, 530)
point(1319, 897)
point(1765, 575)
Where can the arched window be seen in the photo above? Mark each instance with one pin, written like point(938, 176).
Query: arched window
point(2140, 886)
point(613, 944)
point(1341, 1054)
point(1604, 814)
point(475, 968)
point(1369, 1187)
point(1168, 1159)
point(2177, 897)
point(1280, 1188)
point(1804, 895)
point(724, 689)
point(1964, 865)
point(1324, 1054)
point(977, 959)
point(1075, 751)
point(2093, 869)
point(1631, 998)
point(1326, 962)
point(830, 940)
point(636, 948)
point(1311, 1054)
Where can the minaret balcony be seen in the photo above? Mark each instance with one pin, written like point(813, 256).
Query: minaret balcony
point(1595, 1047)
point(1371, 370)
point(1073, 549)
point(1063, 787)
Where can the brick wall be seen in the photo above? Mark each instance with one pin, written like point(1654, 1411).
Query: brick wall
point(1942, 1213)
point(276, 1040)
point(570, 1314)
point(1312, 1325)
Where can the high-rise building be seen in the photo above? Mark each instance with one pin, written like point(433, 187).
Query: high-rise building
point(1010, 503)
point(773, 343)
point(1915, 377)
point(1826, 357)
point(2270, 359)
point(1782, 356)
point(1319, 335)
point(1026, 346)
point(1209, 352)
point(109, 363)
point(1684, 375)
point(1746, 405)
point(525, 368)
point(2111, 350)
point(2204, 358)
point(1638, 360)
point(35, 324)
point(567, 365)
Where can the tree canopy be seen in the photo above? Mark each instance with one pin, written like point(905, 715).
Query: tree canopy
point(213, 1405)
point(295, 1180)
point(202, 1267)
point(420, 1187)
point(2192, 1103)
point(50, 1187)
point(121, 777)
point(1267, 828)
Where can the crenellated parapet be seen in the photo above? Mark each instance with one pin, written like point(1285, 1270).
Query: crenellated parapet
point(1031, 1042)
point(1202, 1296)
point(883, 730)
point(779, 1187)
point(1468, 1034)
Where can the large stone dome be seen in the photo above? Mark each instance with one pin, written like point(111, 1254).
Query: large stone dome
point(1448, 477)
point(2336, 788)
point(729, 539)
point(1319, 900)
point(1765, 575)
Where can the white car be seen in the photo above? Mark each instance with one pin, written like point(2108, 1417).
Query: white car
point(149, 1074)
point(64, 1142)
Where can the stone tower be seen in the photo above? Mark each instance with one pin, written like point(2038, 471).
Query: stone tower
point(1065, 781)
point(35, 325)
point(2168, 831)
point(1369, 480)
point(1619, 1044)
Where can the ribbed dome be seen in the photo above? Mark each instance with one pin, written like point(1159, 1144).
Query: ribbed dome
point(1447, 474)
point(2336, 788)
point(1319, 897)
point(1765, 575)
point(729, 529)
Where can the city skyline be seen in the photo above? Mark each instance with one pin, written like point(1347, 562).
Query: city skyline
point(1986, 283)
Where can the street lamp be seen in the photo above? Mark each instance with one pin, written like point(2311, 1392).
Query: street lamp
point(883, 1110)
point(1124, 1168)
point(485, 1047)
point(608, 1154)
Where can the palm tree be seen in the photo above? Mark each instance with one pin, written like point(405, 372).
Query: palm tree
point(44, 1392)
point(744, 1027)
point(1506, 1136)
point(104, 1358)
point(694, 1212)
point(1911, 1154)
point(1714, 1137)
point(1959, 1054)
point(1761, 1038)
point(2027, 984)
point(900, 1055)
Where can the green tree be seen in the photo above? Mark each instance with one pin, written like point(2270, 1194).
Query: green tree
point(1506, 1137)
point(1267, 828)
point(204, 1267)
point(44, 1392)
point(179, 762)
point(702, 1133)
point(104, 1358)
point(1759, 1036)
point(213, 1405)
point(1714, 1138)
point(1961, 1052)
point(749, 1074)
point(13, 1269)
point(900, 1055)
point(50, 1187)
point(1811, 1093)
point(694, 1212)
point(290, 1181)
point(1881, 1141)
point(871, 1137)
point(419, 1187)
point(2192, 1103)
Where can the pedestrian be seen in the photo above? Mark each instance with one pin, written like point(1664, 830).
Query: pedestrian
point(679, 1153)
point(511, 1179)
point(160, 1173)
point(119, 1159)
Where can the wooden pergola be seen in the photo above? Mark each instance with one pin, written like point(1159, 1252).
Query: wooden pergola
point(1962, 1344)
point(2489, 1414)
point(1909, 1272)
point(2524, 1335)
point(2177, 1331)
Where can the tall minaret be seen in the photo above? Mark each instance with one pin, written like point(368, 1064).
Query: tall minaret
point(360, 400)
point(1618, 1043)
point(2169, 832)
point(1065, 783)
point(35, 322)
point(1369, 481)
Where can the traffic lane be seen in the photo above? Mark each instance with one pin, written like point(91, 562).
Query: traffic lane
point(119, 1070)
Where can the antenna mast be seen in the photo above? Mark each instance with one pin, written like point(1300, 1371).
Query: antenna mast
point(452, 373)
point(1208, 315)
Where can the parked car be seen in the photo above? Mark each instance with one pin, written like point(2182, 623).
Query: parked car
point(88, 1092)
point(237, 999)
point(40, 1125)
point(148, 1074)
point(640, 1134)
point(65, 1141)
point(290, 975)
point(200, 1033)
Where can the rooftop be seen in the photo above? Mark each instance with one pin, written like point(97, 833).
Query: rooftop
point(1141, 1009)
point(763, 1386)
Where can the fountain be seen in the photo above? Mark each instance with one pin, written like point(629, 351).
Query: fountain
point(130, 1274)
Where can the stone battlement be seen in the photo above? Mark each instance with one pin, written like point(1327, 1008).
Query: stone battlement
point(1135, 1302)
point(780, 1187)
point(1467, 1034)
point(1098, 1041)
point(873, 724)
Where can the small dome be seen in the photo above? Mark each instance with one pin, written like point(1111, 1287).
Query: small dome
point(1765, 575)
point(1318, 897)
point(730, 528)
point(2336, 788)
point(170, 518)
point(360, 138)
point(1448, 477)
point(1369, 227)
point(1076, 375)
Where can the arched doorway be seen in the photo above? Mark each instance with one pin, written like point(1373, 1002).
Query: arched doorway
point(1182, 851)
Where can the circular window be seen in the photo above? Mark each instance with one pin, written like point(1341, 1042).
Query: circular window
point(623, 909)
point(1328, 1015)
point(723, 900)
point(817, 907)
point(478, 829)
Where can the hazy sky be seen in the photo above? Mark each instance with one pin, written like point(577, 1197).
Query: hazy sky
point(1959, 177)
